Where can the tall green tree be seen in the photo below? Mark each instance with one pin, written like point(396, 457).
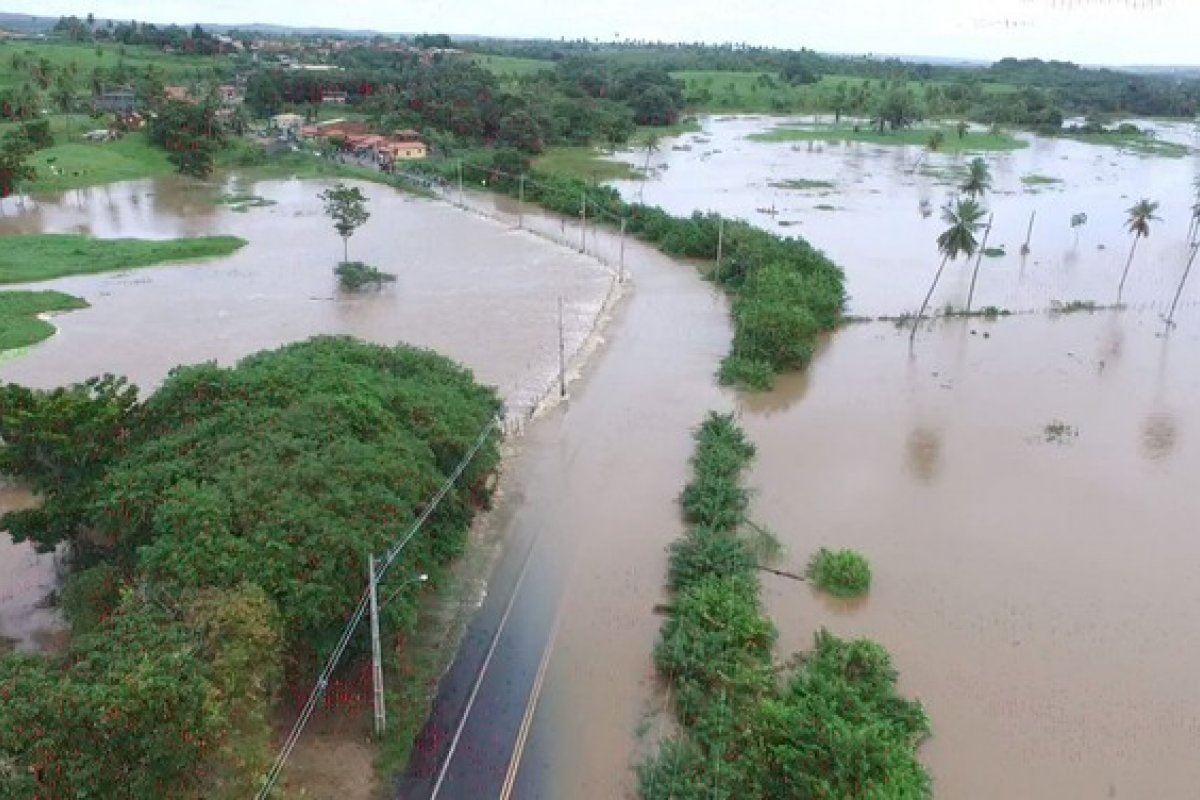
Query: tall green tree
point(979, 179)
point(347, 207)
point(963, 220)
point(1141, 214)
point(15, 169)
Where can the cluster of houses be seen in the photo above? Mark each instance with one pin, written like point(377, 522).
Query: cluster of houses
point(356, 139)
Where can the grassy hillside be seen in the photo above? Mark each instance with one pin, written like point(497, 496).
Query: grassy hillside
point(509, 67)
point(89, 56)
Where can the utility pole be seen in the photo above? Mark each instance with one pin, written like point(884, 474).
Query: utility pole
point(621, 261)
point(1029, 233)
point(583, 225)
point(562, 352)
point(979, 258)
point(461, 195)
point(720, 243)
point(376, 650)
point(521, 201)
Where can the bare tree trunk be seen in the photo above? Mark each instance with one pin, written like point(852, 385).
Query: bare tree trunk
point(979, 258)
point(937, 277)
point(345, 249)
point(1128, 263)
point(1182, 281)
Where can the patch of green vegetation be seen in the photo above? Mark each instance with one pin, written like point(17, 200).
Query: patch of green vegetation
point(913, 137)
point(1073, 307)
point(1040, 180)
point(747, 725)
point(802, 184)
point(39, 257)
point(19, 310)
point(644, 132)
point(512, 67)
point(89, 55)
point(355, 276)
point(841, 573)
point(76, 165)
point(583, 163)
point(1142, 144)
point(240, 201)
point(995, 252)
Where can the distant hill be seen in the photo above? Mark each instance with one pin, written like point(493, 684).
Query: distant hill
point(26, 23)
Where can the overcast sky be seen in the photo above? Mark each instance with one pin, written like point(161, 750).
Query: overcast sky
point(1088, 31)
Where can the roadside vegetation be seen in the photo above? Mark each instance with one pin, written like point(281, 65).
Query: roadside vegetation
point(39, 257)
point(786, 294)
point(826, 723)
point(217, 534)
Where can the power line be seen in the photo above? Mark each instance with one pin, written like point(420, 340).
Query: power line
point(335, 657)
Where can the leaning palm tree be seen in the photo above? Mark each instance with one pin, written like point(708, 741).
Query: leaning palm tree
point(1140, 217)
point(979, 179)
point(1182, 281)
point(964, 220)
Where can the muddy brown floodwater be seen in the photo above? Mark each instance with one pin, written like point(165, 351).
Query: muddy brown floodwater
point(1024, 487)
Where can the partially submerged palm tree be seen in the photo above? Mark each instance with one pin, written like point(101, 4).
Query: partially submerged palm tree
point(1140, 217)
point(652, 144)
point(979, 179)
point(964, 220)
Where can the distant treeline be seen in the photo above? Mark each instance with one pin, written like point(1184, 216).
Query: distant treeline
point(1072, 89)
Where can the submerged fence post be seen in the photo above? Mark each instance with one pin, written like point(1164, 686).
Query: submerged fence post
point(562, 352)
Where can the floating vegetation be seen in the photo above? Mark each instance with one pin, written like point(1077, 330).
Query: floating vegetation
point(1073, 307)
point(995, 252)
point(243, 202)
point(1059, 432)
point(1040, 180)
point(841, 573)
point(802, 184)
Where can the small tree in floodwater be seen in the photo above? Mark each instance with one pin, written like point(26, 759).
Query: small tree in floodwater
point(1077, 222)
point(1140, 217)
point(347, 207)
point(959, 239)
point(978, 180)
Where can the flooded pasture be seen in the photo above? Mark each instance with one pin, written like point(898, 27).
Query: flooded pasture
point(870, 217)
point(1022, 486)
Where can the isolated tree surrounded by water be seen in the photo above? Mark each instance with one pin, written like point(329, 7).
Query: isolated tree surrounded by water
point(1140, 217)
point(347, 207)
point(978, 180)
point(963, 219)
point(1077, 222)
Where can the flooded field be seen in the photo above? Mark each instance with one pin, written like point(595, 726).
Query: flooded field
point(473, 289)
point(869, 217)
point(1022, 487)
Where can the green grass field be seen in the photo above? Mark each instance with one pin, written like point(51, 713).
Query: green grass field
point(509, 67)
point(89, 56)
point(919, 136)
point(40, 257)
point(19, 324)
point(585, 163)
point(717, 92)
point(82, 164)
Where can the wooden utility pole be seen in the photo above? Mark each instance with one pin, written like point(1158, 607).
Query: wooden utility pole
point(720, 243)
point(583, 225)
point(521, 201)
point(621, 258)
point(562, 352)
point(376, 650)
point(979, 258)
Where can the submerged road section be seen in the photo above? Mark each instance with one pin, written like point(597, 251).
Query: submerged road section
point(554, 673)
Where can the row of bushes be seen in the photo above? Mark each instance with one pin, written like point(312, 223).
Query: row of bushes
point(828, 724)
point(785, 292)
